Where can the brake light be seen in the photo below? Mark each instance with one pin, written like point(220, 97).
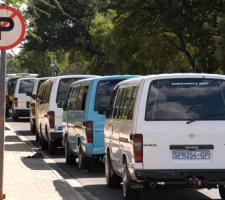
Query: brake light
point(16, 102)
point(32, 105)
point(89, 131)
point(138, 147)
point(51, 119)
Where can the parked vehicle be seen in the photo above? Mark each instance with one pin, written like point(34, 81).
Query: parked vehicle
point(10, 88)
point(21, 99)
point(49, 110)
point(83, 125)
point(166, 130)
point(33, 95)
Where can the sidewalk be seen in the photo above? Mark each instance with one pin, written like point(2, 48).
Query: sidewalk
point(27, 178)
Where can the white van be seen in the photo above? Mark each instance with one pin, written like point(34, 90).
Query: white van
point(21, 99)
point(50, 100)
point(166, 130)
point(33, 95)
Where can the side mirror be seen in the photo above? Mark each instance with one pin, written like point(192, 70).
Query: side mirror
point(60, 104)
point(102, 110)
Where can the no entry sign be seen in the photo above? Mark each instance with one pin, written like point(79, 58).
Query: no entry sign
point(12, 27)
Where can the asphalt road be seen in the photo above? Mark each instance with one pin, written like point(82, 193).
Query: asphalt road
point(94, 180)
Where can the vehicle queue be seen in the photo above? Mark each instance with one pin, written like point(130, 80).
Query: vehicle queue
point(150, 131)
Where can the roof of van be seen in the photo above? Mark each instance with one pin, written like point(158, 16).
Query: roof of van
point(104, 78)
point(74, 76)
point(173, 75)
point(27, 78)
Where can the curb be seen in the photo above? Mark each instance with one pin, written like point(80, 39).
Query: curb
point(72, 182)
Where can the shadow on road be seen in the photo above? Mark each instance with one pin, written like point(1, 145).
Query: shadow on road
point(35, 163)
point(12, 138)
point(16, 147)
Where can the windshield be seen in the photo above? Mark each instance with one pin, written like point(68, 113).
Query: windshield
point(104, 92)
point(186, 99)
point(26, 86)
point(64, 85)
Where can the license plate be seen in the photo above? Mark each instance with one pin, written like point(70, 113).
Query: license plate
point(191, 155)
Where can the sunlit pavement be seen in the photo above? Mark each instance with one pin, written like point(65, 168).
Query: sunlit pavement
point(91, 185)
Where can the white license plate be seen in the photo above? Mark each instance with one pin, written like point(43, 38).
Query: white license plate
point(191, 155)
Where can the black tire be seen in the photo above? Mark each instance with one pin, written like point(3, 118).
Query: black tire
point(112, 180)
point(222, 191)
point(82, 160)
point(52, 147)
point(7, 112)
point(69, 156)
point(33, 129)
point(128, 193)
point(43, 143)
point(37, 137)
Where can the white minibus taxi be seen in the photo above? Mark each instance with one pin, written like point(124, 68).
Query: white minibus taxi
point(166, 130)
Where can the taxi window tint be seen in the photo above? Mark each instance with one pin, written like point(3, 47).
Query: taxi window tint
point(26, 86)
point(104, 92)
point(186, 99)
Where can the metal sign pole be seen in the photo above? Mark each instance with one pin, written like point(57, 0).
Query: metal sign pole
point(2, 118)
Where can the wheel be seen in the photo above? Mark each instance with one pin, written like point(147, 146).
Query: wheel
point(52, 147)
point(70, 157)
point(82, 160)
point(222, 191)
point(7, 112)
point(33, 129)
point(37, 137)
point(112, 180)
point(128, 193)
point(43, 143)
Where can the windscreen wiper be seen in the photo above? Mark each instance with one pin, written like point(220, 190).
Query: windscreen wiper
point(206, 117)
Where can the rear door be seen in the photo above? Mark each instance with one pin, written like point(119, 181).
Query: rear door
point(183, 124)
point(25, 86)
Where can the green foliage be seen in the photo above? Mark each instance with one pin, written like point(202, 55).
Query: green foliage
point(124, 36)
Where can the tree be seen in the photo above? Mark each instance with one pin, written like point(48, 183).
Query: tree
point(190, 26)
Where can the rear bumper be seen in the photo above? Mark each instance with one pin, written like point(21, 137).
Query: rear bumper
point(22, 113)
point(206, 176)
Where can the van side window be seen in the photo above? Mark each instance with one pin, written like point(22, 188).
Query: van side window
point(68, 100)
point(40, 93)
point(42, 96)
point(47, 93)
point(130, 109)
point(111, 103)
point(118, 104)
point(125, 102)
point(81, 98)
point(73, 98)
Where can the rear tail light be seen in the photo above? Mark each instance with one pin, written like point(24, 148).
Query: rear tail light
point(138, 147)
point(89, 131)
point(15, 102)
point(32, 105)
point(51, 119)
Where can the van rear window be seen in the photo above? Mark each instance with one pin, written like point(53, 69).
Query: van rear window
point(186, 99)
point(63, 88)
point(104, 92)
point(26, 86)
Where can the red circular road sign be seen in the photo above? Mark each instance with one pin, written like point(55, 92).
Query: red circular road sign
point(12, 27)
